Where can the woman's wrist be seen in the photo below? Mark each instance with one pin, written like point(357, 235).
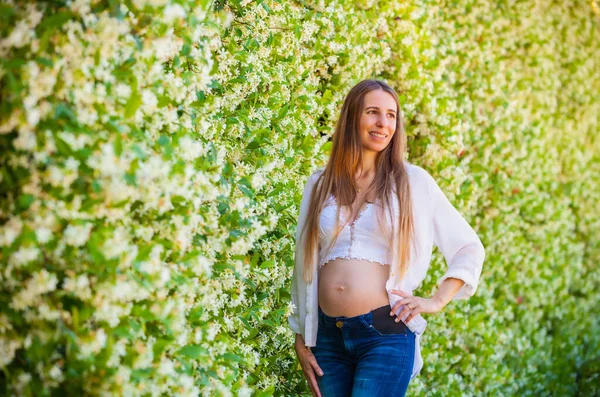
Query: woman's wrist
point(299, 340)
point(439, 302)
point(446, 291)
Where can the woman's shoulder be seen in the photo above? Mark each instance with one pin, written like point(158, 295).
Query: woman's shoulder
point(315, 175)
point(417, 175)
point(415, 171)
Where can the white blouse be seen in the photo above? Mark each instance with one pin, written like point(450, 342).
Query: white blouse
point(436, 222)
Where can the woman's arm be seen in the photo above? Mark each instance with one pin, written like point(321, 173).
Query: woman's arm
point(458, 242)
point(446, 290)
point(415, 305)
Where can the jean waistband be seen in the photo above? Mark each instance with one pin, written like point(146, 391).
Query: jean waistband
point(329, 321)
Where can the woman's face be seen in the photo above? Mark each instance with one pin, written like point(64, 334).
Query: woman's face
point(378, 120)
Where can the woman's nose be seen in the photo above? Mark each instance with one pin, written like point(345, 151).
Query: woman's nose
point(382, 122)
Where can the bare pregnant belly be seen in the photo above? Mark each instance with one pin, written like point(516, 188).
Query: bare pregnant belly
point(351, 287)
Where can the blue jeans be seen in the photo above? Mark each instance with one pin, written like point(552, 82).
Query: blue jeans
point(360, 361)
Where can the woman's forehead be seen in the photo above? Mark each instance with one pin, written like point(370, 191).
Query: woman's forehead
point(380, 99)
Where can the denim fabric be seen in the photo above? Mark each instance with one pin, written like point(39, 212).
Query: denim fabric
point(359, 361)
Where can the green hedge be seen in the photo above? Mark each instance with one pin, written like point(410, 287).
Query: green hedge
point(153, 156)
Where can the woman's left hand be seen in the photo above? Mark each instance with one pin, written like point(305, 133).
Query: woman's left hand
point(414, 305)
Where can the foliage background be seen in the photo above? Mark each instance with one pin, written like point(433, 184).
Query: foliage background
point(153, 154)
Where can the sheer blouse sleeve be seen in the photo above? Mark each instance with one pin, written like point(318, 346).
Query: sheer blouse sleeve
point(298, 284)
point(462, 249)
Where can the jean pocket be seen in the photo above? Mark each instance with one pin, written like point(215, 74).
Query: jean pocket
point(386, 325)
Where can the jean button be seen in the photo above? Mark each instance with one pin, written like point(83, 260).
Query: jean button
point(339, 324)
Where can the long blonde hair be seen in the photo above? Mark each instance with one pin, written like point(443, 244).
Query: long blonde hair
point(338, 178)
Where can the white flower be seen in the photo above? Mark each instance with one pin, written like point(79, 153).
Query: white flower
point(19, 37)
point(150, 267)
point(154, 168)
point(106, 162)
point(245, 391)
point(183, 238)
point(149, 99)
point(118, 351)
point(56, 176)
point(24, 255)
point(10, 231)
point(117, 244)
point(164, 48)
point(76, 142)
point(8, 347)
point(190, 149)
point(240, 246)
point(173, 11)
point(41, 283)
point(202, 265)
point(123, 90)
point(80, 286)
point(166, 367)
point(26, 140)
point(257, 180)
point(77, 235)
point(144, 232)
point(56, 373)
point(213, 330)
point(43, 235)
point(146, 356)
point(47, 313)
point(240, 203)
point(94, 345)
point(165, 275)
point(72, 164)
point(116, 190)
point(186, 382)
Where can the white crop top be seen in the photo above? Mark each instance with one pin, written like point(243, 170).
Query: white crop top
point(360, 239)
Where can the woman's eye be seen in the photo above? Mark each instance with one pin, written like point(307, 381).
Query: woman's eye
point(375, 111)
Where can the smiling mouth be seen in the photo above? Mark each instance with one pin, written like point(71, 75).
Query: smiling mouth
point(377, 135)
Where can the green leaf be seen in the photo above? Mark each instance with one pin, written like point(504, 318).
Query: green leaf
point(253, 145)
point(193, 351)
point(267, 264)
point(266, 7)
point(247, 191)
point(232, 357)
point(118, 144)
point(51, 23)
point(25, 200)
point(132, 104)
point(253, 333)
point(61, 146)
point(95, 248)
point(283, 111)
point(63, 110)
point(163, 140)
point(326, 148)
point(45, 61)
point(265, 393)
point(130, 179)
point(138, 152)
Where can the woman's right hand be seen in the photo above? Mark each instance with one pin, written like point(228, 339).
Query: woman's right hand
point(309, 365)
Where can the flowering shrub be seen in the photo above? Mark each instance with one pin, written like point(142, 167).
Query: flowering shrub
point(152, 160)
point(110, 198)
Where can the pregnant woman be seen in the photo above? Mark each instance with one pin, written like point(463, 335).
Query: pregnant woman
point(367, 225)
